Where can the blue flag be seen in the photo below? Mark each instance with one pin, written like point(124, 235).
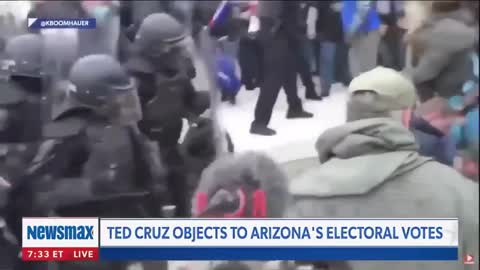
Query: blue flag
point(221, 14)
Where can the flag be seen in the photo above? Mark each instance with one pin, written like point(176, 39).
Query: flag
point(221, 14)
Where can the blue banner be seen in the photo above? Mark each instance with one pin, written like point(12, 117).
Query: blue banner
point(38, 23)
point(276, 253)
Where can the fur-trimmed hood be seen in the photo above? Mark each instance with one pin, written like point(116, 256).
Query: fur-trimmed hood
point(231, 172)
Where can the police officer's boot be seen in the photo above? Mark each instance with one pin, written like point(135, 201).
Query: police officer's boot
point(292, 114)
point(260, 129)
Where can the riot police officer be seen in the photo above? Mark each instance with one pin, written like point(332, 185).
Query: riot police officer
point(20, 103)
point(94, 161)
point(164, 69)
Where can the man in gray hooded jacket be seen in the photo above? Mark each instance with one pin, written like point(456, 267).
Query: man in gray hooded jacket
point(438, 59)
point(370, 168)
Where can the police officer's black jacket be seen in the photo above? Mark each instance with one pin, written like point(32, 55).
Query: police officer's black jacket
point(165, 101)
point(87, 167)
point(281, 18)
point(20, 128)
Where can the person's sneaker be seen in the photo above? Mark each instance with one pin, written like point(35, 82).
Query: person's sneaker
point(262, 130)
point(298, 114)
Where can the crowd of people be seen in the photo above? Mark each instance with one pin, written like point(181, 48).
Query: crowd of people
point(91, 120)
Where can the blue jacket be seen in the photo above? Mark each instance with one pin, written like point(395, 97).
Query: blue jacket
point(226, 74)
point(358, 16)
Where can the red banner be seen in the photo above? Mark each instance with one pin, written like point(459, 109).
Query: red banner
point(60, 254)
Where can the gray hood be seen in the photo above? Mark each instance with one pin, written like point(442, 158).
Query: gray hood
point(356, 157)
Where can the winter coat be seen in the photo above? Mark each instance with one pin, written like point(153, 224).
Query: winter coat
point(440, 54)
point(226, 74)
point(371, 169)
point(329, 21)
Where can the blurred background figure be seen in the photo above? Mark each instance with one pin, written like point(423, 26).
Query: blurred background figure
point(104, 38)
point(328, 31)
point(392, 49)
point(442, 60)
point(361, 24)
point(250, 51)
point(13, 17)
point(281, 36)
point(305, 55)
point(431, 122)
point(441, 36)
point(133, 13)
point(183, 12)
point(228, 80)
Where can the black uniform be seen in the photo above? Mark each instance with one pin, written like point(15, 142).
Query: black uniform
point(20, 104)
point(281, 36)
point(163, 71)
point(94, 161)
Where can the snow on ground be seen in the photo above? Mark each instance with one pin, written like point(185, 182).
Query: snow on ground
point(295, 138)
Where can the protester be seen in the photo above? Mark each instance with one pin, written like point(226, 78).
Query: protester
point(439, 47)
point(280, 35)
point(249, 59)
point(244, 185)
point(228, 81)
point(361, 24)
point(303, 62)
point(431, 123)
point(135, 11)
point(391, 51)
point(370, 168)
point(250, 51)
point(329, 33)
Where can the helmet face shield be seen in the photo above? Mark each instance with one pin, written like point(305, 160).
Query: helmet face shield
point(124, 107)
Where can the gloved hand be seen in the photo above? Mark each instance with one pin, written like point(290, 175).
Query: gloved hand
point(198, 141)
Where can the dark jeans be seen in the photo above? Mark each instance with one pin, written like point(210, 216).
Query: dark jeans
point(279, 70)
point(309, 53)
point(342, 69)
point(250, 61)
point(326, 60)
point(304, 69)
point(392, 49)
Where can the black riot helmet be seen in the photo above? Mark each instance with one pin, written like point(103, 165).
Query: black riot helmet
point(157, 33)
point(23, 56)
point(159, 42)
point(100, 83)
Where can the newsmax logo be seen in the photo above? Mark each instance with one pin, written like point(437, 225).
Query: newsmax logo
point(60, 232)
